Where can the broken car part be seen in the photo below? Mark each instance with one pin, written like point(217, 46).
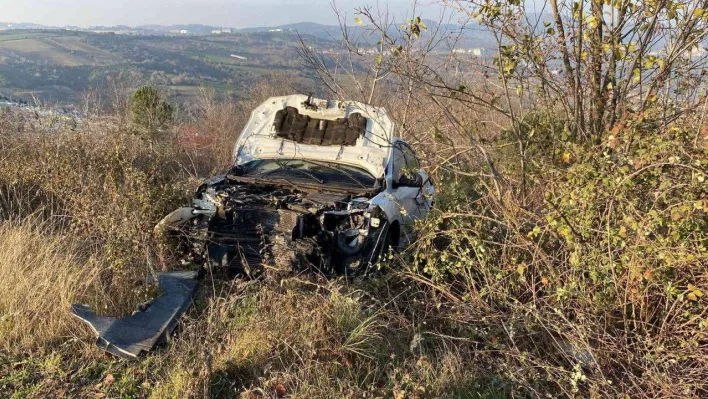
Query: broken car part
point(132, 336)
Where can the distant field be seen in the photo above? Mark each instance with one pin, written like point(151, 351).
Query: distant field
point(27, 35)
point(58, 66)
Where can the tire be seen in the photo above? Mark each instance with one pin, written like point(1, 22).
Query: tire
point(359, 265)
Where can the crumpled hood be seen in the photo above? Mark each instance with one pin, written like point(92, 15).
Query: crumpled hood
point(371, 153)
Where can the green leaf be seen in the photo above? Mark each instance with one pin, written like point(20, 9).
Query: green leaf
point(637, 74)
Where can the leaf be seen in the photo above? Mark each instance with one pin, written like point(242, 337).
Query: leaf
point(379, 59)
point(566, 157)
point(521, 268)
point(280, 390)
point(544, 281)
point(692, 287)
point(637, 73)
point(648, 275)
point(692, 297)
point(622, 232)
point(358, 20)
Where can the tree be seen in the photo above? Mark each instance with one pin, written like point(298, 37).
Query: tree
point(150, 114)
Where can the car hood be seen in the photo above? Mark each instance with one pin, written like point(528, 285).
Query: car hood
point(371, 153)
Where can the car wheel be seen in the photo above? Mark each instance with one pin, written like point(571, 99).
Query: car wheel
point(361, 264)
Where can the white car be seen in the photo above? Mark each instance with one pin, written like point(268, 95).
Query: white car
point(314, 182)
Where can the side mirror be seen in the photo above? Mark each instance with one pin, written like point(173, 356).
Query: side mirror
point(411, 180)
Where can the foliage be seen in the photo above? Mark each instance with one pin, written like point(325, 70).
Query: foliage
point(596, 60)
point(149, 112)
point(620, 241)
point(105, 187)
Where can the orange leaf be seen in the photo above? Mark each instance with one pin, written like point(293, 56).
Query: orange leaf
point(566, 157)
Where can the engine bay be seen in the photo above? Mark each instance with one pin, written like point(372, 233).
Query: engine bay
point(243, 226)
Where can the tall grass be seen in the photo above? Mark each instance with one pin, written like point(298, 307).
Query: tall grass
point(41, 275)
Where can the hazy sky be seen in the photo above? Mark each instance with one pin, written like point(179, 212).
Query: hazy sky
point(230, 13)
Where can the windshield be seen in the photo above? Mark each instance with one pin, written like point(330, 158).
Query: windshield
point(308, 171)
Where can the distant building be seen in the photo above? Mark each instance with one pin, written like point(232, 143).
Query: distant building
point(275, 30)
point(184, 32)
point(238, 57)
point(477, 52)
point(220, 31)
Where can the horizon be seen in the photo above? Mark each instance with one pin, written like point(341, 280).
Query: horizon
point(237, 14)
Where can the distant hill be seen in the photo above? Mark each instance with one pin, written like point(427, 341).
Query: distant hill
point(473, 35)
point(58, 65)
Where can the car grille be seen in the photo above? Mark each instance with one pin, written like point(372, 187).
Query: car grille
point(250, 236)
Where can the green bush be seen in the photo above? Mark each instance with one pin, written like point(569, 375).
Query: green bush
point(600, 289)
point(150, 114)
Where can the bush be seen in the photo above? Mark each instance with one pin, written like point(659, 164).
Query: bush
point(600, 291)
point(104, 187)
point(150, 114)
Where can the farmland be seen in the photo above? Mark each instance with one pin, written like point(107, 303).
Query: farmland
point(57, 66)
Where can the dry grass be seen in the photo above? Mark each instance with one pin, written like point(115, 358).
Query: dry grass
point(41, 275)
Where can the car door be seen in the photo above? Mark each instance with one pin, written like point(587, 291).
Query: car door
point(408, 191)
point(426, 192)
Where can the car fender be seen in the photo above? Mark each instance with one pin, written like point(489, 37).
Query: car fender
point(389, 205)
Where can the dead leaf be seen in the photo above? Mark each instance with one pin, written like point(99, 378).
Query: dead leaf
point(110, 379)
point(280, 390)
point(648, 275)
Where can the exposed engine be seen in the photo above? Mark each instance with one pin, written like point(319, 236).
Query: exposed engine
point(244, 226)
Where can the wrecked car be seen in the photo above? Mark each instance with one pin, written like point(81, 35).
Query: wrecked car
point(314, 182)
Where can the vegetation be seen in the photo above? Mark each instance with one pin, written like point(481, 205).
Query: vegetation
point(150, 114)
point(565, 257)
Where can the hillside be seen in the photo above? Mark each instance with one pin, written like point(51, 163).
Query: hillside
point(57, 66)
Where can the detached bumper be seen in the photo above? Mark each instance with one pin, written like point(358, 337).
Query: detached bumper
point(132, 336)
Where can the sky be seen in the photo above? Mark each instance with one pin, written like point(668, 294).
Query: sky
point(226, 13)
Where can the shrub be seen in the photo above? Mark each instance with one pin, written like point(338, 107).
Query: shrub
point(106, 188)
point(150, 114)
point(601, 288)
